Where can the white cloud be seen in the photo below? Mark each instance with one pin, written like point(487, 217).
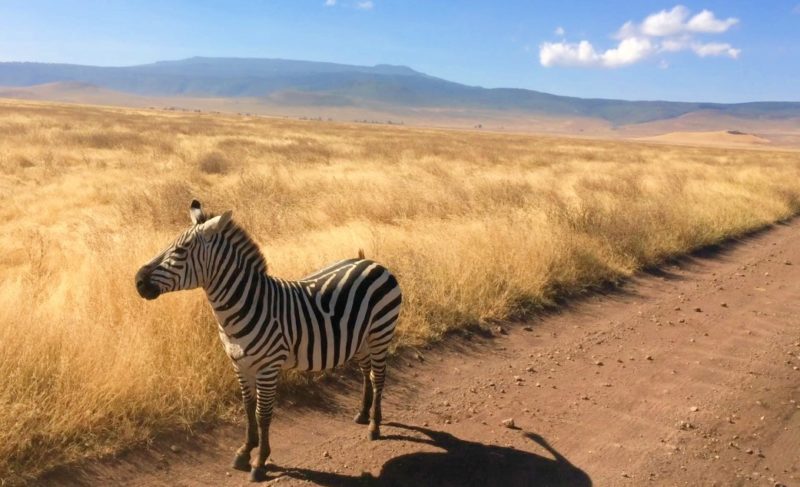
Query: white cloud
point(665, 22)
point(676, 21)
point(365, 5)
point(628, 29)
point(665, 31)
point(716, 49)
point(566, 54)
point(707, 23)
point(676, 44)
point(560, 31)
point(330, 3)
point(583, 53)
point(629, 51)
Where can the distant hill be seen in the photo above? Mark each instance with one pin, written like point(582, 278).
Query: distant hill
point(307, 83)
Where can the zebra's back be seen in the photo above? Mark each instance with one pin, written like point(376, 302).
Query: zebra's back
point(338, 310)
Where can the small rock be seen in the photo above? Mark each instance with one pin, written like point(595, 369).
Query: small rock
point(227, 474)
point(175, 448)
point(599, 363)
point(698, 310)
point(508, 423)
point(787, 262)
point(527, 328)
point(649, 357)
point(325, 454)
point(694, 409)
point(724, 305)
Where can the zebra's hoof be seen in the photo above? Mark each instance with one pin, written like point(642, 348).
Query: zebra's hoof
point(242, 462)
point(258, 474)
point(374, 432)
point(361, 418)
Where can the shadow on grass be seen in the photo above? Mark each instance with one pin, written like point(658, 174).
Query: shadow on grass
point(461, 463)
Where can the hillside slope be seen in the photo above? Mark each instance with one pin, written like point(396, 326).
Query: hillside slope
point(333, 84)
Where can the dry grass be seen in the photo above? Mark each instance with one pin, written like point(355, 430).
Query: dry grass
point(477, 227)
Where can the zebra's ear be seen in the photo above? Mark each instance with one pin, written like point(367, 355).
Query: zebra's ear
point(216, 224)
point(196, 213)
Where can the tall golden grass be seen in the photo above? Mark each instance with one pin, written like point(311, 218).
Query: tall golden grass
point(477, 226)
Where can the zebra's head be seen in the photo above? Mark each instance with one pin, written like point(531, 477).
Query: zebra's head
point(182, 265)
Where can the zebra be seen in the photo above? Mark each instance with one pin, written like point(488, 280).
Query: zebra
point(345, 311)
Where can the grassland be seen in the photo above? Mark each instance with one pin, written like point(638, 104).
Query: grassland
point(477, 226)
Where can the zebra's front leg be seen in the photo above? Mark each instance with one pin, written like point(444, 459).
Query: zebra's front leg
point(265, 389)
point(248, 386)
point(242, 459)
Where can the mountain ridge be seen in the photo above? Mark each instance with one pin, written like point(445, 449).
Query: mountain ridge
point(322, 83)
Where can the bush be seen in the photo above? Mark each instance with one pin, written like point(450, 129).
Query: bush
point(214, 163)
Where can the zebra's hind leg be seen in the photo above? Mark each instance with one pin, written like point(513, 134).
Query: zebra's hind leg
point(364, 363)
point(380, 335)
point(377, 376)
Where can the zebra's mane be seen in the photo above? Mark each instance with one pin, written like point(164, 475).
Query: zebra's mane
point(245, 240)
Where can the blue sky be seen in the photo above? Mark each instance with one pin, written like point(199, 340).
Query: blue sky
point(726, 51)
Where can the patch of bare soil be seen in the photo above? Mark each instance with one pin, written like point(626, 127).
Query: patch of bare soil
point(687, 375)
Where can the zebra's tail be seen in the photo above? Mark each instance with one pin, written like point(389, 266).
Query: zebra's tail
point(361, 254)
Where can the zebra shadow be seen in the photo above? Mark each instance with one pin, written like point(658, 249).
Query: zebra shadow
point(462, 463)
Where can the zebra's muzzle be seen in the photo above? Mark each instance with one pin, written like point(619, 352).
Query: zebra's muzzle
point(146, 289)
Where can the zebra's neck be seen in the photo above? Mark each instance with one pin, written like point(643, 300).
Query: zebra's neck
point(237, 280)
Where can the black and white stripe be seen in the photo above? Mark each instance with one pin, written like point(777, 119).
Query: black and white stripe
point(346, 311)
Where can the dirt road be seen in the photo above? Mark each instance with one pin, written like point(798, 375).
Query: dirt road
point(687, 375)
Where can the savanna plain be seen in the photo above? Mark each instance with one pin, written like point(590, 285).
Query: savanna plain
point(477, 226)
